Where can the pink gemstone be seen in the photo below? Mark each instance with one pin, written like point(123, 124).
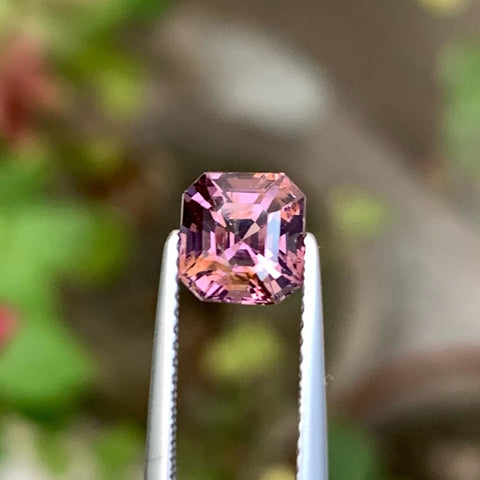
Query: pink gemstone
point(242, 237)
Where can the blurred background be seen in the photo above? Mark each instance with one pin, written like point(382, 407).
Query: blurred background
point(109, 109)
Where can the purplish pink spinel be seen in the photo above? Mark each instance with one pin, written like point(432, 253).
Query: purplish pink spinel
point(242, 237)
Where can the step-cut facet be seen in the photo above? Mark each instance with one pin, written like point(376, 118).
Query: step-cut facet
point(242, 237)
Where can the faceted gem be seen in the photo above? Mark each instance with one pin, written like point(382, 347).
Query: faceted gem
point(242, 237)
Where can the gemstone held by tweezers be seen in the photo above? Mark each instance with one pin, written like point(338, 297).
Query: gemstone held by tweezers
point(242, 237)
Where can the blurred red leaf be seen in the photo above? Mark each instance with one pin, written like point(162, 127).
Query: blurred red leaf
point(9, 322)
point(26, 87)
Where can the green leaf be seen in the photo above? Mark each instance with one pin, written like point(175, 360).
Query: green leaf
point(44, 369)
point(194, 460)
point(49, 236)
point(105, 250)
point(278, 472)
point(53, 451)
point(120, 92)
point(444, 7)
point(114, 13)
point(460, 79)
point(95, 22)
point(44, 240)
point(352, 454)
point(100, 157)
point(117, 449)
point(244, 351)
point(21, 181)
point(357, 214)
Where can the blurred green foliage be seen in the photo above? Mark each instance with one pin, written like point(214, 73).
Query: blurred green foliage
point(117, 449)
point(460, 79)
point(71, 24)
point(45, 368)
point(352, 454)
point(76, 450)
point(444, 7)
point(357, 214)
point(246, 349)
point(53, 450)
point(278, 472)
point(47, 237)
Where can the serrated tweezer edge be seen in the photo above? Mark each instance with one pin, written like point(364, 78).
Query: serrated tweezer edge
point(161, 433)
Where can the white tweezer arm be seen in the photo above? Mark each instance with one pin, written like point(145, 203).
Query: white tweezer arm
point(161, 432)
point(312, 461)
point(161, 435)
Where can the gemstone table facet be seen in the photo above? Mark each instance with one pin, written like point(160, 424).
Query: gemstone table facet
point(242, 237)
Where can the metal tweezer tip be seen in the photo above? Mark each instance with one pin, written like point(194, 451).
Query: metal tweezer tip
point(161, 433)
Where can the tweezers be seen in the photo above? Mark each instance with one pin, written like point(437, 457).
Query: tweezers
point(161, 461)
